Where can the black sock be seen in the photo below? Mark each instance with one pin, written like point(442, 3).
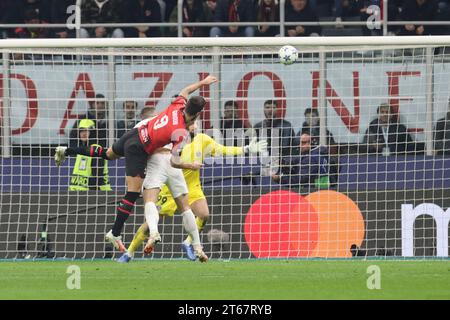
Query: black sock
point(124, 210)
point(90, 151)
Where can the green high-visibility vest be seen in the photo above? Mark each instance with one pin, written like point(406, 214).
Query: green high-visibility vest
point(83, 171)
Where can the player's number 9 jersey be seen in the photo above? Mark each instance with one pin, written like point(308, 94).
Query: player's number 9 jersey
point(168, 127)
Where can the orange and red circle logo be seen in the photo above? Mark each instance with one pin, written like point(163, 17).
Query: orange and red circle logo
point(284, 224)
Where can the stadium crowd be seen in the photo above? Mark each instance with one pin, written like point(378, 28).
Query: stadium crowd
point(212, 11)
point(386, 135)
point(300, 157)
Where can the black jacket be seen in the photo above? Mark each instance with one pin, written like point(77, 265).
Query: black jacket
point(228, 128)
point(122, 126)
point(442, 136)
point(399, 140)
point(149, 13)
point(283, 128)
point(412, 12)
point(306, 15)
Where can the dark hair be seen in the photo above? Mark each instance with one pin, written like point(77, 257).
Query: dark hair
point(195, 105)
point(99, 96)
point(311, 110)
point(134, 102)
point(271, 102)
point(231, 103)
point(383, 105)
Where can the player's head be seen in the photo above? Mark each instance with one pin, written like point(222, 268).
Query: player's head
point(193, 128)
point(84, 128)
point(193, 108)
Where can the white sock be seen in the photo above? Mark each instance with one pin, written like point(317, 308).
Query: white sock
point(191, 227)
point(151, 216)
point(130, 254)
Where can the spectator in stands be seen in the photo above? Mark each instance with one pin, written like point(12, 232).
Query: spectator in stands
point(234, 11)
point(313, 168)
point(129, 109)
point(444, 6)
point(169, 6)
point(365, 10)
point(31, 16)
point(348, 8)
point(192, 12)
point(267, 11)
point(418, 10)
point(209, 13)
point(60, 15)
point(147, 112)
point(442, 134)
point(443, 15)
point(4, 9)
point(394, 9)
point(145, 11)
point(273, 127)
point(97, 112)
point(300, 11)
point(18, 8)
point(387, 136)
point(88, 173)
point(101, 11)
point(311, 126)
point(230, 122)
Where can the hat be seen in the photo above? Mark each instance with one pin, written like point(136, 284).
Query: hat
point(86, 124)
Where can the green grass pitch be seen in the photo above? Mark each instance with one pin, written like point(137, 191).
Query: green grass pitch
point(226, 280)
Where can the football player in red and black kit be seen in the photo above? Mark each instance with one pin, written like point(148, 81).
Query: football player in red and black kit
point(170, 126)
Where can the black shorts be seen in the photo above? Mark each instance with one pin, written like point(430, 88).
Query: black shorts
point(130, 147)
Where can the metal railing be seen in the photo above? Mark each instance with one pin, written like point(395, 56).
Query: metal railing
point(382, 24)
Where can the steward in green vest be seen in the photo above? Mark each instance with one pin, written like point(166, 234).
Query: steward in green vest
point(89, 173)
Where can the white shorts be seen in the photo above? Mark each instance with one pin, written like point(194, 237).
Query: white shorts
point(159, 172)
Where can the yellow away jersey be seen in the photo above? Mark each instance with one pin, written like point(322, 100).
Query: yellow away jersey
point(203, 146)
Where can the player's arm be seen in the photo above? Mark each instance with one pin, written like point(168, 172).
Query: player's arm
point(177, 163)
point(191, 88)
point(175, 159)
point(253, 147)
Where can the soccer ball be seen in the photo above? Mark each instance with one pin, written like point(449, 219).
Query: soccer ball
point(288, 55)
